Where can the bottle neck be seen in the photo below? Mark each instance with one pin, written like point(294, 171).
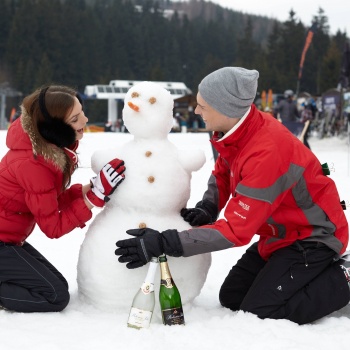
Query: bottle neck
point(148, 284)
point(165, 275)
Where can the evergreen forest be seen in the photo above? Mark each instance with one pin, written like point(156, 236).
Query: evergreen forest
point(87, 42)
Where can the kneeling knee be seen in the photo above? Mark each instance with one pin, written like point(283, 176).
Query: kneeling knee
point(227, 300)
point(61, 301)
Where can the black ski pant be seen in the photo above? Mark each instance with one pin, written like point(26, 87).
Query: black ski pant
point(28, 282)
point(301, 283)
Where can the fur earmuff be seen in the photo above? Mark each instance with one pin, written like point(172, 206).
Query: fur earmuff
point(54, 129)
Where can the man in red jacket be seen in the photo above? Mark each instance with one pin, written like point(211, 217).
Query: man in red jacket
point(271, 186)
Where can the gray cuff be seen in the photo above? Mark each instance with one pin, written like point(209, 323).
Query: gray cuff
point(203, 240)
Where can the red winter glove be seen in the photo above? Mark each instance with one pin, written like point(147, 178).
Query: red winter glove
point(105, 183)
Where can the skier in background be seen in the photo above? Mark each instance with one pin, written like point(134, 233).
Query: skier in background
point(286, 110)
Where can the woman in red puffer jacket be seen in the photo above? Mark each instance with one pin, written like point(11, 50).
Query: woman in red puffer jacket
point(34, 178)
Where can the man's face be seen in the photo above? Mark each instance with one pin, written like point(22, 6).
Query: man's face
point(214, 120)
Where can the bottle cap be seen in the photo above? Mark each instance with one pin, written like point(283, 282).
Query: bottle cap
point(163, 258)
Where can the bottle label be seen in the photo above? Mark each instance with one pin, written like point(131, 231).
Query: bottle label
point(167, 283)
point(139, 318)
point(147, 287)
point(173, 316)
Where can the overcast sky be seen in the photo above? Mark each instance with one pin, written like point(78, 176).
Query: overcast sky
point(337, 11)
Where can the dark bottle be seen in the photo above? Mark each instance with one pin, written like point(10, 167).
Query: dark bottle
point(169, 296)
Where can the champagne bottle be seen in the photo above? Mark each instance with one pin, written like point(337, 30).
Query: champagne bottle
point(143, 303)
point(169, 296)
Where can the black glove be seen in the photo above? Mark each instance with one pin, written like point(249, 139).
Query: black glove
point(147, 244)
point(196, 216)
point(204, 213)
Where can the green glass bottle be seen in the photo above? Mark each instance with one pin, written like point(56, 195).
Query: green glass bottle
point(169, 296)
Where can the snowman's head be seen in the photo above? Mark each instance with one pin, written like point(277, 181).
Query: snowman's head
point(148, 110)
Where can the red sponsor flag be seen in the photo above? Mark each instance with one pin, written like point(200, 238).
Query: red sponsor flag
point(309, 36)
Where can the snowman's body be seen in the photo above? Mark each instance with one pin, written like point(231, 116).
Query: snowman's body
point(152, 195)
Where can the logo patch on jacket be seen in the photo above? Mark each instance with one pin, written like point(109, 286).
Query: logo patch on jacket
point(241, 216)
point(243, 205)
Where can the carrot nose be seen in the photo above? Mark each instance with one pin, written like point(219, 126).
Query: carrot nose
point(134, 107)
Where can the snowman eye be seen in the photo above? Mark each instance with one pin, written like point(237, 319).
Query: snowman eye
point(135, 94)
point(152, 100)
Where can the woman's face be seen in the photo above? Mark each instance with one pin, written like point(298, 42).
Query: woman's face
point(77, 119)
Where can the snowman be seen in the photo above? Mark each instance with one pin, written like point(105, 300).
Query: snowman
point(155, 189)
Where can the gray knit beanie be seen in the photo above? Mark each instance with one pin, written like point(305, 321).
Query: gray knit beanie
point(230, 90)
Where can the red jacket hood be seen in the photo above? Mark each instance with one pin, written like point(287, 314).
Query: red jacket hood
point(17, 138)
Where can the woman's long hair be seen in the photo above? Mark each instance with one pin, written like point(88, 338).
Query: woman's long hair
point(48, 108)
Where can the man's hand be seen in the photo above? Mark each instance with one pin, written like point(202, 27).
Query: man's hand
point(105, 183)
point(204, 213)
point(196, 216)
point(147, 243)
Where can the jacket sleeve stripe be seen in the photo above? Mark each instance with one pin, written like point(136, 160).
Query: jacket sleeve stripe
point(269, 194)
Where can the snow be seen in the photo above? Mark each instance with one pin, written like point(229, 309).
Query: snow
point(208, 325)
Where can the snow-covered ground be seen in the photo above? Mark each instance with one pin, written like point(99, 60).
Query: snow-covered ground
point(208, 325)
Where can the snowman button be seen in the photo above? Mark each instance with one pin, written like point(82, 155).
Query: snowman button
point(148, 153)
point(142, 225)
point(151, 179)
